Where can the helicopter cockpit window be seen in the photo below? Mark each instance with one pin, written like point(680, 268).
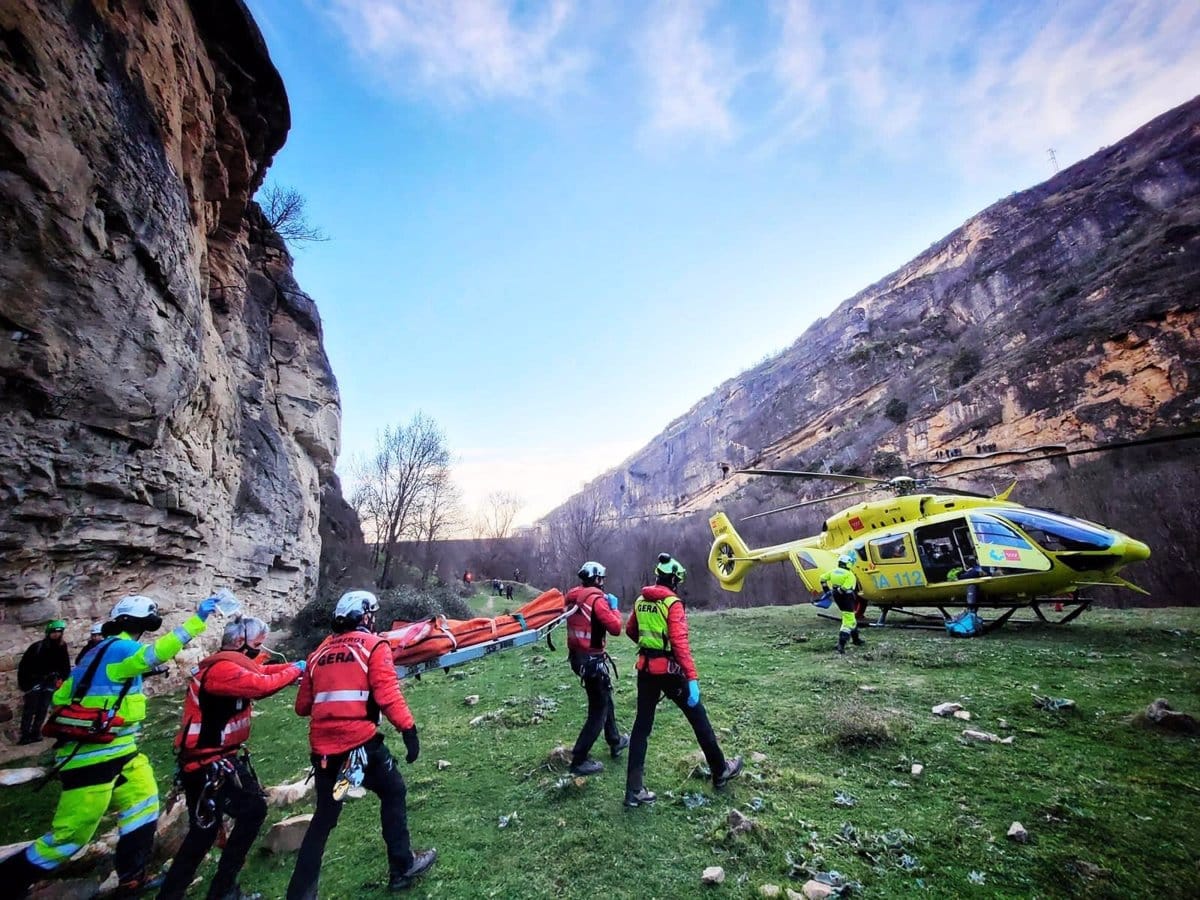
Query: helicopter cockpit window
point(1058, 533)
point(891, 550)
point(993, 531)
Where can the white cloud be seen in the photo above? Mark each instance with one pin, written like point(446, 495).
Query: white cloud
point(692, 77)
point(464, 48)
point(986, 85)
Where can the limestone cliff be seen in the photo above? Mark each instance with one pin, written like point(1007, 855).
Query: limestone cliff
point(1067, 313)
point(168, 418)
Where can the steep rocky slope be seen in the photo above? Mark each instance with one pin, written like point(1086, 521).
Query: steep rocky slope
point(1063, 314)
point(168, 418)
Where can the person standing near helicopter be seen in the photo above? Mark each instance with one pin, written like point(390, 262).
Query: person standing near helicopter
point(843, 585)
point(215, 769)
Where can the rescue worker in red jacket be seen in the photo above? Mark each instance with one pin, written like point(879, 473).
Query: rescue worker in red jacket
point(350, 680)
point(665, 666)
point(595, 613)
point(215, 768)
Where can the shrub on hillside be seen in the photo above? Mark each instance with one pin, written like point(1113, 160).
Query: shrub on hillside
point(311, 624)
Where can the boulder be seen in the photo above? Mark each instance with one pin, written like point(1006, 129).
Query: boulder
point(283, 795)
point(173, 825)
point(712, 875)
point(285, 836)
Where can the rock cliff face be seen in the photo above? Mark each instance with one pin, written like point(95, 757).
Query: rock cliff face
point(168, 418)
point(1063, 314)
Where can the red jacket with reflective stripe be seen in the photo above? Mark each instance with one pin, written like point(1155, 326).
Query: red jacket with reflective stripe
point(350, 680)
point(582, 635)
point(677, 631)
point(216, 710)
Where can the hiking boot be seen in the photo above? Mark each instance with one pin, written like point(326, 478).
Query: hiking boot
point(859, 642)
point(640, 797)
point(620, 745)
point(733, 768)
point(139, 886)
point(587, 767)
point(421, 862)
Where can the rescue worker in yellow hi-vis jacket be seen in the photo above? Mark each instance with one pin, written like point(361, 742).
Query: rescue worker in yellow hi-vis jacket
point(109, 770)
point(843, 585)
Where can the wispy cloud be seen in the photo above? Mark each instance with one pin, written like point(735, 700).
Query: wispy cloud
point(692, 75)
point(985, 84)
point(464, 49)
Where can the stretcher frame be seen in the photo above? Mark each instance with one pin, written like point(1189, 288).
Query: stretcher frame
point(477, 651)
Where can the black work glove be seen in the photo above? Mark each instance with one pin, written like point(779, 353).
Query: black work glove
point(412, 744)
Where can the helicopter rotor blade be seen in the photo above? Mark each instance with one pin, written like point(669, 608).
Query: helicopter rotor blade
point(1103, 448)
point(791, 473)
point(792, 506)
point(958, 492)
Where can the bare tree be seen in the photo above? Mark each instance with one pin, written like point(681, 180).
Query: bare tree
point(439, 511)
point(497, 514)
point(587, 520)
point(410, 461)
point(284, 208)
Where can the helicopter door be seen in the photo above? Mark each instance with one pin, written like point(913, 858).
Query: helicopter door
point(1000, 548)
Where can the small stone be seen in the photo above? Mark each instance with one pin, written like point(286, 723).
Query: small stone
point(868, 688)
point(985, 736)
point(962, 714)
point(1008, 740)
point(758, 758)
point(286, 836)
point(1017, 832)
point(817, 890)
point(11, 777)
point(946, 709)
point(471, 699)
point(770, 890)
point(794, 895)
point(738, 823)
point(537, 660)
point(1002, 724)
point(917, 770)
point(712, 875)
point(282, 795)
point(443, 764)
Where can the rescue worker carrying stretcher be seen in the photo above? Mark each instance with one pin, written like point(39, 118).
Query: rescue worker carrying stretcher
point(843, 586)
point(595, 613)
point(665, 667)
point(102, 702)
point(350, 680)
point(215, 769)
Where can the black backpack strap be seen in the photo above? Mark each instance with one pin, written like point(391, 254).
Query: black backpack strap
point(79, 690)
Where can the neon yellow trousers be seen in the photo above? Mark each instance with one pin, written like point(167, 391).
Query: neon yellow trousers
point(130, 789)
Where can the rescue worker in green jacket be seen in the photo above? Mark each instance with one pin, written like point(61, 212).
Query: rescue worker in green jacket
point(843, 585)
point(96, 776)
point(665, 667)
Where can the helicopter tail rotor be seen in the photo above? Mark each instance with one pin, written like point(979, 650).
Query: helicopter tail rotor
point(729, 559)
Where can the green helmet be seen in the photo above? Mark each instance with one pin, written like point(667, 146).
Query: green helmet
point(56, 625)
point(667, 565)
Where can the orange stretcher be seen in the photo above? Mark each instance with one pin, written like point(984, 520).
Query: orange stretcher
point(439, 642)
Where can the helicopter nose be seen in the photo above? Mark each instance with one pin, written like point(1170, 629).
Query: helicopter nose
point(1132, 550)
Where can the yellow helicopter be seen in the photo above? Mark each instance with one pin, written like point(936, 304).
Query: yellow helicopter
point(936, 548)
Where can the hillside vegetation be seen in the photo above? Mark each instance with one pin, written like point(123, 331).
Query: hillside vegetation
point(1110, 806)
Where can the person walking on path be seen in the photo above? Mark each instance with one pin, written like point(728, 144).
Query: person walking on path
point(349, 682)
point(215, 769)
point(665, 667)
point(107, 769)
point(44, 665)
point(595, 613)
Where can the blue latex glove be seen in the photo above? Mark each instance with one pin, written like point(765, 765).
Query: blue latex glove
point(207, 607)
point(693, 692)
point(613, 601)
point(301, 664)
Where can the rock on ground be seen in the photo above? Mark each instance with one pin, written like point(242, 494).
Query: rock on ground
point(282, 795)
point(1017, 832)
point(946, 709)
point(11, 777)
point(712, 875)
point(285, 836)
point(770, 890)
point(817, 890)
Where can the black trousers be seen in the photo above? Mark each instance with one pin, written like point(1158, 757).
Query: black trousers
point(33, 711)
point(383, 778)
point(240, 798)
point(651, 689)
point(600, 715)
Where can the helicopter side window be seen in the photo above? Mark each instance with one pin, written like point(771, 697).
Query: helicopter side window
point(1058, 533)
point(891, 550)
point(991, 531)
point(941, 548)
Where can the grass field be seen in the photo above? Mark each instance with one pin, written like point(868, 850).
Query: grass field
point(1112, 809)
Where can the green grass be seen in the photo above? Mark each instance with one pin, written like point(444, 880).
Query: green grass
point(1093, 789)
point(486, 603)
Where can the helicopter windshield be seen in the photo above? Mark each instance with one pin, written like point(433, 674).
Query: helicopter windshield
point(1058, 533)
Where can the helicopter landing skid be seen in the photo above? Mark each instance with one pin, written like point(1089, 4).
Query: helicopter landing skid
point(1080, 604)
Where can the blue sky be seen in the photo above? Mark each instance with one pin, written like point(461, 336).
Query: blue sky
point(556, 226)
